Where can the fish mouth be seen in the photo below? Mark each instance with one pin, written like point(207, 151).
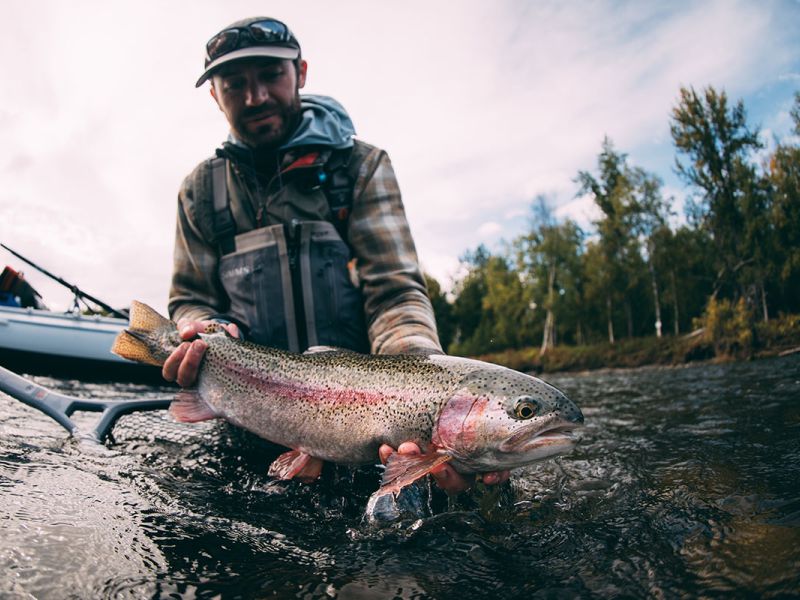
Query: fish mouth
point(536, 437)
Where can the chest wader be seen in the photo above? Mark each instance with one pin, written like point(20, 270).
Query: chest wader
point(290, 283)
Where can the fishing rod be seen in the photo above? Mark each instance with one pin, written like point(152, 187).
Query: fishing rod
point(72, 287)
point(60, 407)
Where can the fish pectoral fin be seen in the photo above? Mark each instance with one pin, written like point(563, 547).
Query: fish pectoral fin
point(404, 469)
point(189, 407)
point(296, 465)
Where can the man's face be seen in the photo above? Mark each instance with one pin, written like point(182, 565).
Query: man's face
point(260, 98)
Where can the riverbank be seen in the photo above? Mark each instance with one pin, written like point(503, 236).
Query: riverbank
point(779, 336)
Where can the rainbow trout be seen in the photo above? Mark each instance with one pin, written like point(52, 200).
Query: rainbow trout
point(340, 406)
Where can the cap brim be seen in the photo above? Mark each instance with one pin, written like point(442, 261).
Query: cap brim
point(249, 52)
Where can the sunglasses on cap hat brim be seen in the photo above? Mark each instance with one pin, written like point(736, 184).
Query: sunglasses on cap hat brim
point(267, 38)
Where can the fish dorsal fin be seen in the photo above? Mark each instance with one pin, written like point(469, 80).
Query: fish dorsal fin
point(321, 349)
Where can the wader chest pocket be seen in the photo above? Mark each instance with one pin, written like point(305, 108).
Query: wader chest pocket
point(295, 292)
point(340, 310)
point(256, 278)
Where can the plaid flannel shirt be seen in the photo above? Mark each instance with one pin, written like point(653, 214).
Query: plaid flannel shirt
point(398, 313)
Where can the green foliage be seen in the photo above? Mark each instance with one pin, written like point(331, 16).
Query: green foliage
point(781, 333)
point(730, 327)
point(522, 359)
point(634, 352)
point(718, 147)
point(795, 113)
point(506, 300)
point(783, 174)
point(633, 209)
point(443, 311)
point(548, 260)
point(589, 299)
point(684, 261)
point(491, 308)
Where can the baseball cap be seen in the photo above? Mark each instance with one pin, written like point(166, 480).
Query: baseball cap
point(256, 36)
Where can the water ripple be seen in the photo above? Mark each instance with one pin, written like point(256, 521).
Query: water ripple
point(683, 485)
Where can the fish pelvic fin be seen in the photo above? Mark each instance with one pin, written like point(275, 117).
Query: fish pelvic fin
point(404, 469)
point(149, 337)
point(295, 464)
point(189, 407)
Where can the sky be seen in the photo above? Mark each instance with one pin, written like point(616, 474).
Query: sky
point(482, 107)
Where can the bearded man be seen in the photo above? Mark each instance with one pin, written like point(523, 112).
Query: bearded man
point(294, 234)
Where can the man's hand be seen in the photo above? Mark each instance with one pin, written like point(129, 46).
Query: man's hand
point(182, 365)
point(446, 477)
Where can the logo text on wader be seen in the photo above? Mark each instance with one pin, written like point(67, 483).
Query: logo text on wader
point(235, 272)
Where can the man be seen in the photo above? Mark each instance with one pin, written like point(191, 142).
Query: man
point(294, 234)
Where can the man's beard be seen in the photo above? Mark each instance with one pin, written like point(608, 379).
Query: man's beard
point(268, 137)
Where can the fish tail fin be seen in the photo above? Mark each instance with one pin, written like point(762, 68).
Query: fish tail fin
point(127, 345)
point(189, 407)
point(146, 319)
point(150, 337)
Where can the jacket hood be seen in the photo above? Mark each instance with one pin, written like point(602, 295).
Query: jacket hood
point(323, 122)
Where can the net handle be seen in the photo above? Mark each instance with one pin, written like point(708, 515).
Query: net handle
point(60, 407)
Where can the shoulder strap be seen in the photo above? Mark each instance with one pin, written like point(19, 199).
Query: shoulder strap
point(223, 223)
point(337, 180)
point(340, 174)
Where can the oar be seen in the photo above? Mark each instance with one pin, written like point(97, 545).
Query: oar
point(60, 406)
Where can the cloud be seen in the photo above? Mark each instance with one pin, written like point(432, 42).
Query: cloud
point(595, 71)
point(481, 109)
point(582, 210)
point(490, 229)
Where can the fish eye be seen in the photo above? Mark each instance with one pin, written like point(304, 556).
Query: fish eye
point(525, 408)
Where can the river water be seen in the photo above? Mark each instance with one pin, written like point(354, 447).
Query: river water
point(685, 484)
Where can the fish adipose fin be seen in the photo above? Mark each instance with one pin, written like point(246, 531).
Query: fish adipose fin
point(324, 349)
point(404, 469)
point(189, 407)
point(293, 464)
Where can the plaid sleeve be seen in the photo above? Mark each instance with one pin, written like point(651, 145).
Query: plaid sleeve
point(398, 312)
point(196, 292)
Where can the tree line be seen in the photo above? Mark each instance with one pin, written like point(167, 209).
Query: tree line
point(735, 258)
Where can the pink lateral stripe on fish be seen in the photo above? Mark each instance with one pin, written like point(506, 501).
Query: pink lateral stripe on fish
point(340, 406)
point(293, 390)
